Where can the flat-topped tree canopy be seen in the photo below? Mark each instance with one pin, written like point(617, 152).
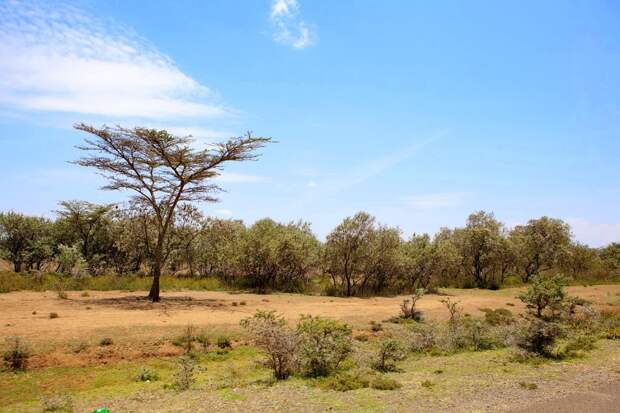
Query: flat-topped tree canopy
point(162, 170)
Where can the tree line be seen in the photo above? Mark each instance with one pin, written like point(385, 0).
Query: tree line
point(359, 257)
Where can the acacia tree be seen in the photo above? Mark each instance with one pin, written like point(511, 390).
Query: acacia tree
point(162, 170)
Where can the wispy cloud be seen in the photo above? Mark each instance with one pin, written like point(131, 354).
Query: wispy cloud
point(437, 200)
point(223, 212)
point(289, 27)
point(58, 58)
point(593, 233)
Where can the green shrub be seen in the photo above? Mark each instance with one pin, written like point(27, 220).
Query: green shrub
point(389, 352)
point(204, 341)
point(106, 341)
point(271, 334)
point(545, 295)
point(146, 374)
point(346, 381)
point(16, 355)
point(528, 386)
point(323, 344)
point(223, 342)
point(408, 307)
point(421, 338)
point(376, 326)
point(538, 337)
point(385, 383)
point(576, 346)
point(498, 317)
point(184, 377)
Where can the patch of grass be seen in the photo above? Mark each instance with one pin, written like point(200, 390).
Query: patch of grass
point(427, 384)
point(57, 403)
point(528, 386)
point(146, 374)
point(344, 381)
point(385, 383)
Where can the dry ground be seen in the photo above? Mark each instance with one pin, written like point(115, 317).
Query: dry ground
point(27, 313)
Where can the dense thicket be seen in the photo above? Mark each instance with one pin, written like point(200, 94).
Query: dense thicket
point(358, 257)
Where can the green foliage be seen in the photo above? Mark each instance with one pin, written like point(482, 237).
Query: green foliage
point(146, 374)
point(16, 355)
point(387, 354)
point(385, 383)
point(376, 326)
point(408, 307)
point(106, 341)
point(545, 294)
point(185, 375)
point(346, 381)
point(323, 344)
point(223, 342)
point(498, 317)
point(537, 337)
point(528, 386)
point(271, 334)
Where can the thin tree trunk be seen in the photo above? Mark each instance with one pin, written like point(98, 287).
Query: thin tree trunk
point(154, 293)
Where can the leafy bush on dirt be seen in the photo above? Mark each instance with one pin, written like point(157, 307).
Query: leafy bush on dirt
point(545, 295)
point(184, 377)
point(385, 383)
point(323, 344)
point(16, 355)
point(271, 334)
point(224, 343)
point(389, 352)
point(346, 381)
point(408, 307)
point(537, 337)
point(498, 317)
point(146, 374)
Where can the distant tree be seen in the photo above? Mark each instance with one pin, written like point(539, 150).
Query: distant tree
point(19, 237)
point(188, 224)
point(611, 257)
point(479, 244)
point(347, 251)
point(539, 244)
point(219, 246)
point(384, 262)
point(87, 225)
point(417, 262)
point(162, 170)
point(577, 259)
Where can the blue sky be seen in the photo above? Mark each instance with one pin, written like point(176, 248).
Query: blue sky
point(417, 112)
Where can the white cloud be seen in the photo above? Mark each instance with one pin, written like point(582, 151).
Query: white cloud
point(58, 58)
point(234, 177)
point(289, 28)
point(312, 184)
point(594, 234)
point(437, 200)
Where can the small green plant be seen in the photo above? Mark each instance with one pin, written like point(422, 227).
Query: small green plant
point(184, 377)
point(323, 344)
point(53, 315)
point(528, 386)
point(537, 337)
point(454, 310)
point(224, 343)
point(389, 352)
point(106, 341)
point(408, 307)
point(186, 339)
point(498, 317)
point(57, 403)
point(84, 294)
point(376, 326)
point(385, 383)
point(545, 295)
point(203, 340)
point(146, 374)
point(346, 381)
point(427, 384)
point(16, 355)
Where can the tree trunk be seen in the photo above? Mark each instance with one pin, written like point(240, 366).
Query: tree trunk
point(17, 266)
point(154, 293)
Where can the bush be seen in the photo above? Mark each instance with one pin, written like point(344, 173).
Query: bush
point(538, 337)
point(323, 344)
point(53, 315)
point(106, 341)
point(389, 352)
point(375, 326)
point(271, 334)
point(57, 403)
point(146, 374)
point(186, 339)
point(16, 355)
point(204, 341)
point(184, 377)
point(384, 383)
point(576, 346)
point(545, 294)
point(422, 338)
point(498, 317)
point(408, 307)
point(223, 342)
point(346, 381)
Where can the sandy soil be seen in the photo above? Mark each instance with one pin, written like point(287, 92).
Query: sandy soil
point(27, 313)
